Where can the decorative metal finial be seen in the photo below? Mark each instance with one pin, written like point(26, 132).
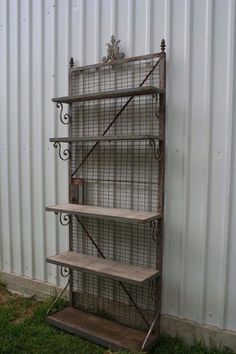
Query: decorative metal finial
point(163, 45)
point(71, 62)
point(113, 51)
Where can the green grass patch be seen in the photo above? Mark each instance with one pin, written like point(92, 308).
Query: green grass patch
point(23, 330)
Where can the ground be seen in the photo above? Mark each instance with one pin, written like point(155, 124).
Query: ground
point(23, 330)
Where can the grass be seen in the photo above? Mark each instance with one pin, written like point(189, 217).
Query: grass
point(23, 330)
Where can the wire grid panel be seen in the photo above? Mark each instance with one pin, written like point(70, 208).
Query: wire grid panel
point(117, 174)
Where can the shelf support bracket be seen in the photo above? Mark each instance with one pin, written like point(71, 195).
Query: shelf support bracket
point(155, 229)
point(158, 108)
point(65, 272)
point(66, 118)
point(63, 154)
point(158, 154)
point(64, 218)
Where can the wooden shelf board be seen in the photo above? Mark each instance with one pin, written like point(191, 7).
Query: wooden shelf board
point(125, 215)
point(103, 267)
point(137, 91)
point(99, 330)
point(106, 138)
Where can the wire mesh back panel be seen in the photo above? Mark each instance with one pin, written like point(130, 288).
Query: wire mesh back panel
point(117, 174)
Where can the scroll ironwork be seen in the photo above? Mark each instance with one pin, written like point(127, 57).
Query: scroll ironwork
point(66, 118)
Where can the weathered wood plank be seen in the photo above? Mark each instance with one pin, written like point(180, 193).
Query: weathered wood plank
point(99, 330)
point(106, 138)
point(103, 267)
point(137, 91)
point(106, 213)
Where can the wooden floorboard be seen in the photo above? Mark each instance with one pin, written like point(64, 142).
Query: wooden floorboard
point(99, 330)
point(126, 215)
point(103, 267)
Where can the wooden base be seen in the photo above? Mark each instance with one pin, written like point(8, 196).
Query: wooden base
point(99, 330)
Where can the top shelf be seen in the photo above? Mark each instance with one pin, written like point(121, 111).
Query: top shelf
point(137, 91)
point(74, 139)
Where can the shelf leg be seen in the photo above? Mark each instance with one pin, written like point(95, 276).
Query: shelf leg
point(150, 331)
point(64, 273)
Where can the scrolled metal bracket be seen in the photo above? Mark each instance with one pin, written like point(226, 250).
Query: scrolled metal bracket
point(155, 229)
point(64, 218)
point(66, 118)
point(65, 154)
point(65, 272)
point(156, 150)
point(158, 110)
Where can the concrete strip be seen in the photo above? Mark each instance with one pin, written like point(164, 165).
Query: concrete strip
point(28, 287)
point(193, 332)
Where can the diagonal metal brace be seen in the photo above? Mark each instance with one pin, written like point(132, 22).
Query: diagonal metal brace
point(121, 283)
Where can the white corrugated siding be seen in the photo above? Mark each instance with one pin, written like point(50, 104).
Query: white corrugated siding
point(37, 39)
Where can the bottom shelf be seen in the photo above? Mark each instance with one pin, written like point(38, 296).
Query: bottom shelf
point(99, 330)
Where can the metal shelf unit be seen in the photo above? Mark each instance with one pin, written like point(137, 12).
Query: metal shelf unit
point(115, 214)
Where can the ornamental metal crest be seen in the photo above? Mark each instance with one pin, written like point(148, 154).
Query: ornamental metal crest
point(113, 51)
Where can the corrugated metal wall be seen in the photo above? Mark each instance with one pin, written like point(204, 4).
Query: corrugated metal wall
point(36, 40)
